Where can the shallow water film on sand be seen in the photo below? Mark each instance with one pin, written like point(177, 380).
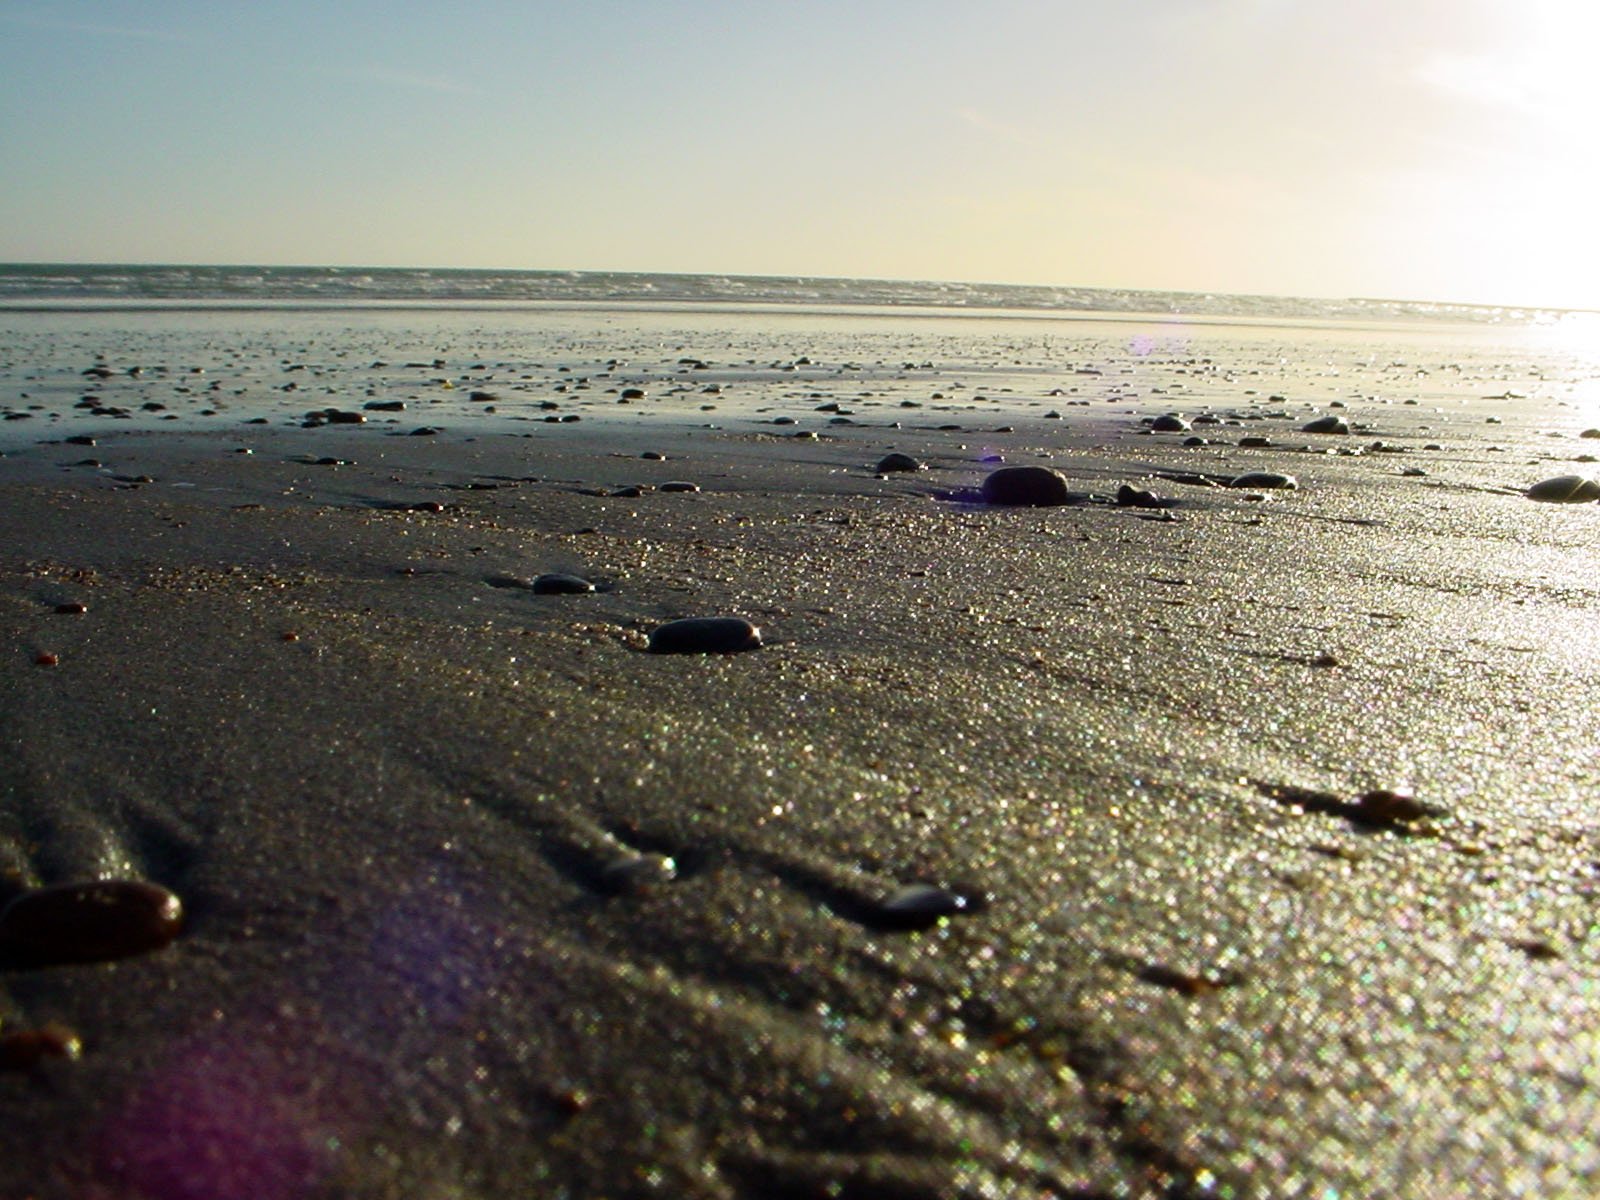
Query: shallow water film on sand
point(615, 752)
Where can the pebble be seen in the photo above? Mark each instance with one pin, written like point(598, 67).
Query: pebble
point(897, 462)
point(1383, 808)
point(1565, 489)
point(559, 584)
point(705, 635)
point(1255, 442)
point(1031, 486)
point(919, 906)
point(25, 1049)
point(72, 609)
point(678, 485)
point(1328, 424)
point(1132, 497)
point(631, 873)
point(89, 922)
point(1170, 423)
point(1590, 433)
point(1264, 480)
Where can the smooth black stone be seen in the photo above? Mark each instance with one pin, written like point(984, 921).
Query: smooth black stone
point(88, 922)
point(1038, 487)
point(1565, 489)
point(705, 635)
point(558, 584)
point(1170, 423)
point(1328, 424)
point(897, 462)
point(1264, 481)
point(1132, 497)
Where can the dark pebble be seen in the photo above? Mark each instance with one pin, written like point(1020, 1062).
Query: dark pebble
point(1328, 424)
point(1255, 442)
point(705, 635)
point(1264, 481)
point(385, 406)
point(654, 456)
point(919, 906)
point(897, 462)
point(1132, 497)
point(1590, 433)
point(557, 584)
point(678, 485)
point(89, 922)
point(72, 609)
point(1031, 486)
point(1565, 489)
point(1170, 423)
point(80, 439)
point(27, 1049)
point(424, 431)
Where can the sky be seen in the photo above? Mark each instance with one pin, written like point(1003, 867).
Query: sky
point(1418, 149)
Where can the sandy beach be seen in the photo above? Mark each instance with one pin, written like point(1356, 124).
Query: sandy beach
point(1183, 840)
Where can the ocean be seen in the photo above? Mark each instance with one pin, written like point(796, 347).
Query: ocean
point(69, 286)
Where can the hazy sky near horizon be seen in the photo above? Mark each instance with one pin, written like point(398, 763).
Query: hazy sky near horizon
point(1435, 149)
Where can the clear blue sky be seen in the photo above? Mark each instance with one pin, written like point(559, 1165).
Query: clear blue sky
point(1423, 148)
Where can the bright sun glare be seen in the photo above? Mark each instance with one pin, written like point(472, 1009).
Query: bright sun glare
point(1537, 94)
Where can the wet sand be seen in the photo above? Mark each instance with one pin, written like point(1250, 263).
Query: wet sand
point(483, 898)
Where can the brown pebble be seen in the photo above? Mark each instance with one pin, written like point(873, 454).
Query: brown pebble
point(47, 659)
point(89, 922)
point(1389, 808)
point(27, 1048)
point(289, 635)
point(569, 1102)
point(71, 609)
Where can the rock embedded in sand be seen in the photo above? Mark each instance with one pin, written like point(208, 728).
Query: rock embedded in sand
point(919, 906)
point(1170, 423)
point(678, 485)
point(1132, 497)
point(557, 583)
point(1565, 489)
point(1328, 424)
point(1264, 481)
point(637, 872)
point(89, 922)
point(26, 1049)
point(897, 462)
point(1037, 487)
point(705, 635)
